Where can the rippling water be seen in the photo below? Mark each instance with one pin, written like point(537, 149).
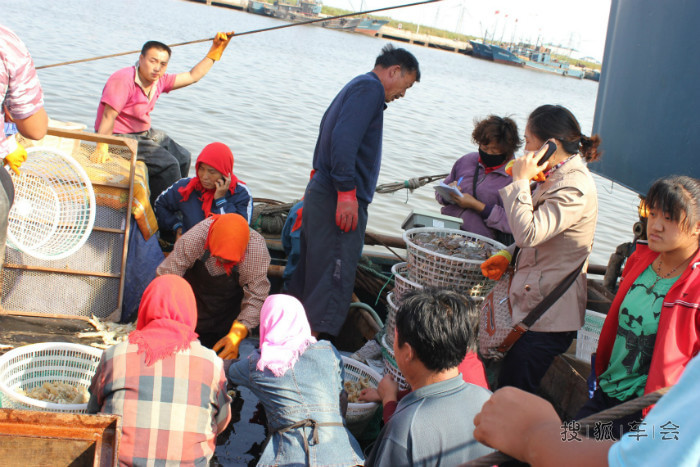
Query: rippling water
point(265, 98)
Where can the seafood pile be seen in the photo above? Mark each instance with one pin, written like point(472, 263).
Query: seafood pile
point(354, 388)
point(454, 245)
point(58, 393)
point(110, 333)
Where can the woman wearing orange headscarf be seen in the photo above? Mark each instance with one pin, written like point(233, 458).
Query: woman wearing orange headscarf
point(225, 262)
point(163, 353)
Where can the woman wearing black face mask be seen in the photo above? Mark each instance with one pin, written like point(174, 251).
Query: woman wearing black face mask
point(479, 176)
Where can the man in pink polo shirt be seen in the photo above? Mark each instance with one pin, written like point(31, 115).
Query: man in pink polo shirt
point(128, 99)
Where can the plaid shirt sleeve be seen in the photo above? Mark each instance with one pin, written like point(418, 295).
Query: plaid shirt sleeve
point(253, 278)
point(188, 249)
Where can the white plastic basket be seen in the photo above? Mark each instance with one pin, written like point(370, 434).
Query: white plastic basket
point(430, 268)
point(390, 318)
point(32, 365)
point(402, 284)
point(54, 208)
point(359, 413)
point(390, 366)
point(587, 337)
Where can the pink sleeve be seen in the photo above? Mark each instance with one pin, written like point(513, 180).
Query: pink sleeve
point(167, 82)
point(116, 91)
point(24, 96)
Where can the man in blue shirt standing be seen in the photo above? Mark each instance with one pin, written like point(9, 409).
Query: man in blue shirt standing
point(347, 159)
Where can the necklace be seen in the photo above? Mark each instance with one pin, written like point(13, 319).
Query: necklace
point(659, 276)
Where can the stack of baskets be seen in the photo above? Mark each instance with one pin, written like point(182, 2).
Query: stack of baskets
point(31, 366)
point(427, 268)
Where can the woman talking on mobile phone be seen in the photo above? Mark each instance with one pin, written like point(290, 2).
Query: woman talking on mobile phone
point(553, 222)
point(214, 190)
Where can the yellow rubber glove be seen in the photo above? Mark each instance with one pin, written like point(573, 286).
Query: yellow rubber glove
point(16, 157)
point(101, 154)
point(227, 347)
point(220, 43)
point(496, 265)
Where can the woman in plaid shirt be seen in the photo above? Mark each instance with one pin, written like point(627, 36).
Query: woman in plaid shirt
point(169, 390)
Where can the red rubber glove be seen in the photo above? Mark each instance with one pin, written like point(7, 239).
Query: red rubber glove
point(496, 265)
point(346, 210)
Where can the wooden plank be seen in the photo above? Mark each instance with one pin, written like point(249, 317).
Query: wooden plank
point(29, 437)
point(61, 271)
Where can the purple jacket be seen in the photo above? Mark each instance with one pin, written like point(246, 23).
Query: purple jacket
point(494, 216)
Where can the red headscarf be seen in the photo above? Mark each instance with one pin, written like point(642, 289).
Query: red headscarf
point(228, 239)
point(219, 156)
point(167, 318)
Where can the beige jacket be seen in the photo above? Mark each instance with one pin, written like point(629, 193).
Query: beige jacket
point(554, 228)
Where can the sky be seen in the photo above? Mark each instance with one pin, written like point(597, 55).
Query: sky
point(578, 24)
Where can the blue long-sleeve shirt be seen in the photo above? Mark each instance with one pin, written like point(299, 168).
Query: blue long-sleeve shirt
point(348, 151)
point(173, 213)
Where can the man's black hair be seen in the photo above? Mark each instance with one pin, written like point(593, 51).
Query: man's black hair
point(391, 56)
point(155, 45)
point(440, 325)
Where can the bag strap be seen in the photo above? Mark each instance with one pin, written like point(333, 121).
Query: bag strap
point(522, 327)
point(552, 297)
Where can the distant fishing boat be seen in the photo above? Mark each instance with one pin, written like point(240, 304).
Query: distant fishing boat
point(480, 50)
point(370, 26)
point(501, 55)
point(345, 24)
point(541, 60)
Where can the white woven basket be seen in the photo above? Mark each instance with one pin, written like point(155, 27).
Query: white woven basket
point(402, 284)
point(430, 268)
point(390, 366)
point(390, 318)
point(54, 208)
point(359, 413)
point(32, 365)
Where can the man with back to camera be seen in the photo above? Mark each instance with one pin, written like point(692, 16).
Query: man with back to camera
point(23, 101)
point(346, 161)
point(128, 99)
point(433, 424)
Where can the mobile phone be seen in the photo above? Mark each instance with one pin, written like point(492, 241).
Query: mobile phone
point(551, 147)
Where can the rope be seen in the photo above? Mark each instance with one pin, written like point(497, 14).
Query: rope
point(410, 184)
point(584, 424)
point(255, 31)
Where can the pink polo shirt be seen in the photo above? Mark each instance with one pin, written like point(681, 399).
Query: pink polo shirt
point(126, 97)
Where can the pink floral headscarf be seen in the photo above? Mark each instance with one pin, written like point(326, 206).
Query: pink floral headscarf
point(284, 333)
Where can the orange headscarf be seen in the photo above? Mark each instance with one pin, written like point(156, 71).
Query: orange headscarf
point(219, 156)
point(228, 239)
point(167, 318)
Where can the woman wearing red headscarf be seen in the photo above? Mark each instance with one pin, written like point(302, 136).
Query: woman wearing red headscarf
point(214, 190)
point(163, 370)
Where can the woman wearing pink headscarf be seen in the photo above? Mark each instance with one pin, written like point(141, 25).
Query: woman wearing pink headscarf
point(299, 382)
point(168, 388)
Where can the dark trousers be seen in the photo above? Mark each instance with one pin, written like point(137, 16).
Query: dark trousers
point(166, 160)
point(602, 401)
point(325, 275)
point(528, 360)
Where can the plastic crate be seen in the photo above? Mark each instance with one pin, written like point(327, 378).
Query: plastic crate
point(430, 268)
point(588, 335)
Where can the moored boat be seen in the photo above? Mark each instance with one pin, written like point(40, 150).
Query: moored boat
point(481, 50)
point(370, 26)
point(505, 56)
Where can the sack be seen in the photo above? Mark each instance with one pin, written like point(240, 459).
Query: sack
point(496, 320)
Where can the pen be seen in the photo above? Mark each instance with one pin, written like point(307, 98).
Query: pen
point(460, 180)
